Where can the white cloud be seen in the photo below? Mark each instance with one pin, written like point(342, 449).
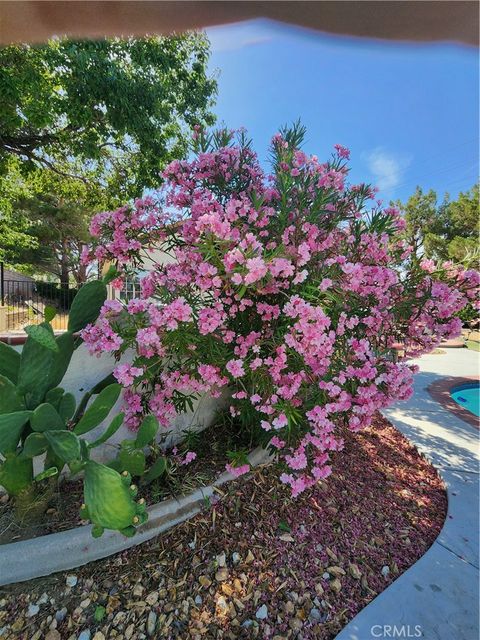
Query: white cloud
point(386, 167)
point(237, 36)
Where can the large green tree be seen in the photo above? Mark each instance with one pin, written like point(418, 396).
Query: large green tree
point(448, 230)
point(54, 213)
point(121, 108)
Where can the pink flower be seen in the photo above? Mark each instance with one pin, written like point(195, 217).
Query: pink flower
point(126, 374)
point(237, 471)
point(189, 457)
point(281, 421)
point(257, 269)
point(235, 368)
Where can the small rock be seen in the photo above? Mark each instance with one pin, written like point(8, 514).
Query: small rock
point(33, 609)
point(237, 585)
point(205, 581)
point(43, 599)
point(60, 614)
point(85, 635)
point(119, 618)
point(262, 612)
point(227, 589)
point(151, 623)
point(129, 631)
point(326, 576)
point(250, 557)
point(247, 623)
point(336, 585)
point(385, 571)
point(37, 635)
point(152, 598)
point(236, 558)
point(319, 547)
point(296, 624)
point(289, 607)
point(315, 614)
point(53, 634)
point(319, 590)
point(222, 574)
point(85, 603)
point(198, 600)
point(286, 537)
point(99, 636)
point(138, 590)
point(71, 581)
point(222, 606)
point(354, 571)
point(336, 571)
point(221, 560)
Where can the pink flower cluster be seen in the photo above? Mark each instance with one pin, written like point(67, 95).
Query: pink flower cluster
point(291, 293)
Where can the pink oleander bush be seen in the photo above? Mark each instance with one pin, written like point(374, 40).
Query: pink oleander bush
point(287, 292)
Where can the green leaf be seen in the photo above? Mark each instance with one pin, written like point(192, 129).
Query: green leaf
point(157, 469)
point(67, 405)
point(132, 460)
point(48, 473)
point(65, 445)
point(41, 335)
point(49, 313)
point(15, 474)
point(98, 410)
point(99, 613)
point(9, 362)
point(11, 427)
point(105, 382)
point(65, 344)
point(146, 432)
point(54, 396)
point(114, 426)
point(33, 375)
point(34, 445)
point(46, 418)
point(86, 305)
point(10, 399)
point(110, 275)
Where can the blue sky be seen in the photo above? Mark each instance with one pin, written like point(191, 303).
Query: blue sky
point(409, 113)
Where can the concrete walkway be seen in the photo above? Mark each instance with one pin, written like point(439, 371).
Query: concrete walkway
point(437, 598)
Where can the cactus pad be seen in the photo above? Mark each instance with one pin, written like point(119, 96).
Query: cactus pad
point(109, 500)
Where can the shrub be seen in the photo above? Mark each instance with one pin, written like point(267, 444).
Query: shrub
point(290, 290)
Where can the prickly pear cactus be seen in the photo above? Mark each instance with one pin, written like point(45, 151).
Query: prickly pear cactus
point(110, 500)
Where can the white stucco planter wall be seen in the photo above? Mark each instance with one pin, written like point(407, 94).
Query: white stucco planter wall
point(86, 370)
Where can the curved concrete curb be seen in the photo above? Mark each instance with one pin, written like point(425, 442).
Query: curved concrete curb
point(437, 598)
point(48, 554)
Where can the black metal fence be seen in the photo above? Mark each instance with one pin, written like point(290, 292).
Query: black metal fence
point(24, 302)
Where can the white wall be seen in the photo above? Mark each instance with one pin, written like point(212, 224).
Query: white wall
point(86, 370)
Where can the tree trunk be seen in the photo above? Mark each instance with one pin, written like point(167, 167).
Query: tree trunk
point(81, 273)
point(64, 268)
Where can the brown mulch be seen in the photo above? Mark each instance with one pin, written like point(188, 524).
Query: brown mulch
point(255, 563)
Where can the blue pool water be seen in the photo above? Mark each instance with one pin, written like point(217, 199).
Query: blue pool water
point(468, 397)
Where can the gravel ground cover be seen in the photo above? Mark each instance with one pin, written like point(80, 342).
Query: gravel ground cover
point(255, 563)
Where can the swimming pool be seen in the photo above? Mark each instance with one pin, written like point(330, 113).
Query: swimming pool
point(468, 397)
